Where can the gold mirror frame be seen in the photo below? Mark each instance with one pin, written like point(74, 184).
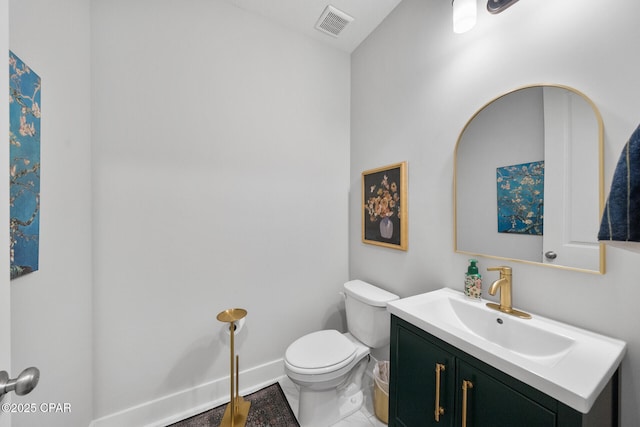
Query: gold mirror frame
point(601, 191)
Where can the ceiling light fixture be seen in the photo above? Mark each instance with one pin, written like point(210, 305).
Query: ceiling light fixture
point(464, 15)
point(497, 6)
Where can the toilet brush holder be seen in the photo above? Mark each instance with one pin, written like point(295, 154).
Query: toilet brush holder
point(235, 415)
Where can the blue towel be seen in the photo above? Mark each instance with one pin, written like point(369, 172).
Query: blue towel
point(621, 216)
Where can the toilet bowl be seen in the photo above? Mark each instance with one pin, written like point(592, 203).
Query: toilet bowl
point(322, 365)
point(328, 366)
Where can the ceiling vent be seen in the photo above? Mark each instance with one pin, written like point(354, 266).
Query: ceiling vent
point(332, 21)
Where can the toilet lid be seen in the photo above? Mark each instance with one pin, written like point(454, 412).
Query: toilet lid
point(320, 350)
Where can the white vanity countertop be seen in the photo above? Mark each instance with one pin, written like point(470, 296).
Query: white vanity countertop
point(574, 375)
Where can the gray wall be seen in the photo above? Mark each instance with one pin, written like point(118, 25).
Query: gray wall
point(256, 96)
point(414, 86)
point(195, 158)
point(221, 179)
point(51, 308)
point(5, 290)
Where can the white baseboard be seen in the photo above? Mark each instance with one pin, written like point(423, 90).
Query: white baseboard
point(186, 403)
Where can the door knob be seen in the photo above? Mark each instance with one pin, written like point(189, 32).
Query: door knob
point(26, 381)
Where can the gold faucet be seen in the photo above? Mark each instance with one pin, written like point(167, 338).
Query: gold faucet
point(504, 285)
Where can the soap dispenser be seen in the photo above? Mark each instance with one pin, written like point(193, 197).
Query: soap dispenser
point(473, 281)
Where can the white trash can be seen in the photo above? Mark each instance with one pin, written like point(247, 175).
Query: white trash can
point(381, 390)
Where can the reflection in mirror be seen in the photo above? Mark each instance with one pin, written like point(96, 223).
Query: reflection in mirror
point(529, 179)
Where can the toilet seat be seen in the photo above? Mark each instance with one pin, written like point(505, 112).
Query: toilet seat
point(320, 352)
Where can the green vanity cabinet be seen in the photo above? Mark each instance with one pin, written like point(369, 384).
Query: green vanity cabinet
point(413, 387)
point(426, 370)
point(489, 402)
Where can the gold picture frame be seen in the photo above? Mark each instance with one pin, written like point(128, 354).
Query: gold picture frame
point(384, 206)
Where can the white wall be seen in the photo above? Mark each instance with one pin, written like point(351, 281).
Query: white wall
point(51, 308)
point(5, 290)
point(414, 86)
point(221, 179)
point(198, 112)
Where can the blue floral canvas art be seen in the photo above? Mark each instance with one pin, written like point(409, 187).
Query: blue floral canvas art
point(24, 151)
point(521, 198)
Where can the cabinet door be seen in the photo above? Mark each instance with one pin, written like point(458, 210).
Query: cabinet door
point(422, 379)
point(488, 402)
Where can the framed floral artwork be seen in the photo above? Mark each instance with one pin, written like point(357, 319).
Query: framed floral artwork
point(384, 206)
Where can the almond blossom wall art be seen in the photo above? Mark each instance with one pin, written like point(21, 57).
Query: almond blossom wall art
point(521, 198)
point(24, 151)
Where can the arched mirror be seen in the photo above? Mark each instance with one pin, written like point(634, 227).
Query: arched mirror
point(529, 179)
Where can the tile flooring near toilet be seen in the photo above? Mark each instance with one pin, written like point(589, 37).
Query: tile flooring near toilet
point(363, 418)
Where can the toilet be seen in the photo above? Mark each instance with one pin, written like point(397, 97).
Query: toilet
point(328, 366)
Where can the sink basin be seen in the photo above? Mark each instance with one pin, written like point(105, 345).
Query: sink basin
point(570, 364)
point(545, 345)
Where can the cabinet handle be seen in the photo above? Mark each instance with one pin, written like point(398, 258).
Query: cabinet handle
point(466, 385)
point(439, 409)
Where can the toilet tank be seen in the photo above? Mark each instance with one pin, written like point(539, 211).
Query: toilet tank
point(367, 317)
